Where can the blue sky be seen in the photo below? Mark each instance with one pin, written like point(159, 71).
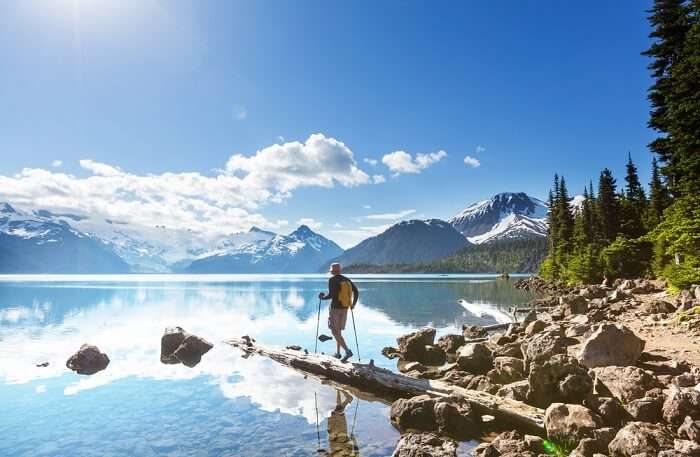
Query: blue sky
point(155, 89)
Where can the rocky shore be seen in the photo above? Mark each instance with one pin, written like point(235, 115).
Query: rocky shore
point(615, 367)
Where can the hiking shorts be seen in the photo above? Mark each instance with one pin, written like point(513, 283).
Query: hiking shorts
point(337, 317)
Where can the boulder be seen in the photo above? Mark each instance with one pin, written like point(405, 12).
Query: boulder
point(686, 448)
point(618, 295)
point(179, 346)
point(434, 355)
point(639, 438)
point(624, 383)
point(475, 358)
point(483, 384)
point(412, 345)
point(509, 350)
point(515, 390)
point(647, 409)
point(447, 416)
point(610, 410)
point(450, 343)
point(681, 402)
point(87, 360)
point(573, 304)
point(657, 307)
point(511, 444)
point(390, 352)
point(690, 429)
point(611, 344)
point(593, 291)
point(643, 286)
point(425, 445)
point(570, 423)
point(474, 331)
point(559, 379)
point(543, 347)
point(506, 370)
point(535, 327)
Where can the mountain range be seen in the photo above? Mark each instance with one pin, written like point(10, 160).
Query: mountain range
point(41, 241)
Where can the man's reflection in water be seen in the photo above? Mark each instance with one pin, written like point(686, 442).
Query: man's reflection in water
point(339, 442)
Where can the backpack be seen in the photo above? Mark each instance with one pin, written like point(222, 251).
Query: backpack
point(345, 294)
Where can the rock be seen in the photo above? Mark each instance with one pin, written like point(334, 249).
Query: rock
point(434, 355)
point(474, 331)
point(511, 444)
point(573, 304)
point(509, 350)
point(191, 350)
point(593, 291)
point(657, 307)
point(542, 347)
point(685, 380)
point(179, 346)
point(412, 345)
point(475, 358)
point(610, 410)
point(559, 379)
point(647, 409)
point(425, 445)
point(611, 344)
point(578, 330)
point(530, 317)
point(450, 343)
point(618, 295)
point(624, 383)
point(642, 286)
point(88, 360)
point(515, 390)
point(690, 429)
point(681, 402)
point(390, 352)
point(483, 384)
point(445, 415)
point(570, 423)
point(507, 370)
point(686, 448)
point(639, 438)
point(535, 327)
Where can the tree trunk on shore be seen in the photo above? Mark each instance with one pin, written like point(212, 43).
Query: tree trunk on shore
point(382, 382)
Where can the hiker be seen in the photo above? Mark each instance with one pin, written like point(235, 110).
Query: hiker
point(343, 295)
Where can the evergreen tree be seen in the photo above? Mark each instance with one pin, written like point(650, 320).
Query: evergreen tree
point(608, 206)
point(565, 218)
point(671, 22)
point(658, 197)
point(633, 203)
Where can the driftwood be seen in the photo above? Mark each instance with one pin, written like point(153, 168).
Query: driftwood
point(538, 308)
point(385, 383)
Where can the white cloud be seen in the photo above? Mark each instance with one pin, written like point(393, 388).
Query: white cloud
point(367, 206)
point(217, 204)
point(282, 222)
point(391, 216)
point(378, 179)
point(310, 222)
point(479, 149)
point(402, 162)
point(372, 162)
point(338, 225)
point(56, 163)
point(281, 139)
point(240, 113)
point(471, 162)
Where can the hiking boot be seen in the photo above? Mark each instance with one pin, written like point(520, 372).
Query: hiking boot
point(348, 354)
point(337, 355)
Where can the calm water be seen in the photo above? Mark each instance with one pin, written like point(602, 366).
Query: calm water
point(226, 405)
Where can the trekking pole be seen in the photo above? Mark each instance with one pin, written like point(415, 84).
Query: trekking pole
point(357, 343)
point(318, 322)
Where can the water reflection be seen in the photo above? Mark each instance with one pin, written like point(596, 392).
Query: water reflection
point(154, 409)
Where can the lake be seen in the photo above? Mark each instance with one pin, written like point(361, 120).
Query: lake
point(227, 405)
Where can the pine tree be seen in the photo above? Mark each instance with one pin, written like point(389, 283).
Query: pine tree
point(566, 218)
point(608, 206)
point(633, 203)
point(658, 197)
point(671, 22)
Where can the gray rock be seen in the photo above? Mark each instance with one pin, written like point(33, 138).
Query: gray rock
point(559, 379)
point(570, 423)
point(474, 331)
point(624, 383)
point(681, 402)
point(425, 445)
point(535, 327)
point(657, 307)
point(573, 304)
point(639, 438)
point(647, 409)
point(687, 448)
point(390, 352)
point(542, 347)
point(618, 295)
point(412, 345)
point(475, 358)
point(171, 340)
point(610, 410)
point(611, 344)
point(690, 429)
point(447, 416)
point(87, 360)
point(450, 343)
point(515, 390)
point(507, 370)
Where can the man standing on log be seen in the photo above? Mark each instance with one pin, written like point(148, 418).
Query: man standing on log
point(343, 295)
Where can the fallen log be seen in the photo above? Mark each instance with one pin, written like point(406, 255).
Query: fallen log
point(382, 382)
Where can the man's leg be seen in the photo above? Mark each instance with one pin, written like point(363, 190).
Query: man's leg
point(339, 340)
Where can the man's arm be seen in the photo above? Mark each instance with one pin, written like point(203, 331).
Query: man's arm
point(355, 294)
point(329, 295)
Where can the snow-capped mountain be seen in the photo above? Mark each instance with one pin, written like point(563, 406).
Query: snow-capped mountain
point(503, 216)
point(413, 241)
point(43, 242)
point(259, 251)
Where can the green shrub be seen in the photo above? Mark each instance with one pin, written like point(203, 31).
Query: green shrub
point(627, 258)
